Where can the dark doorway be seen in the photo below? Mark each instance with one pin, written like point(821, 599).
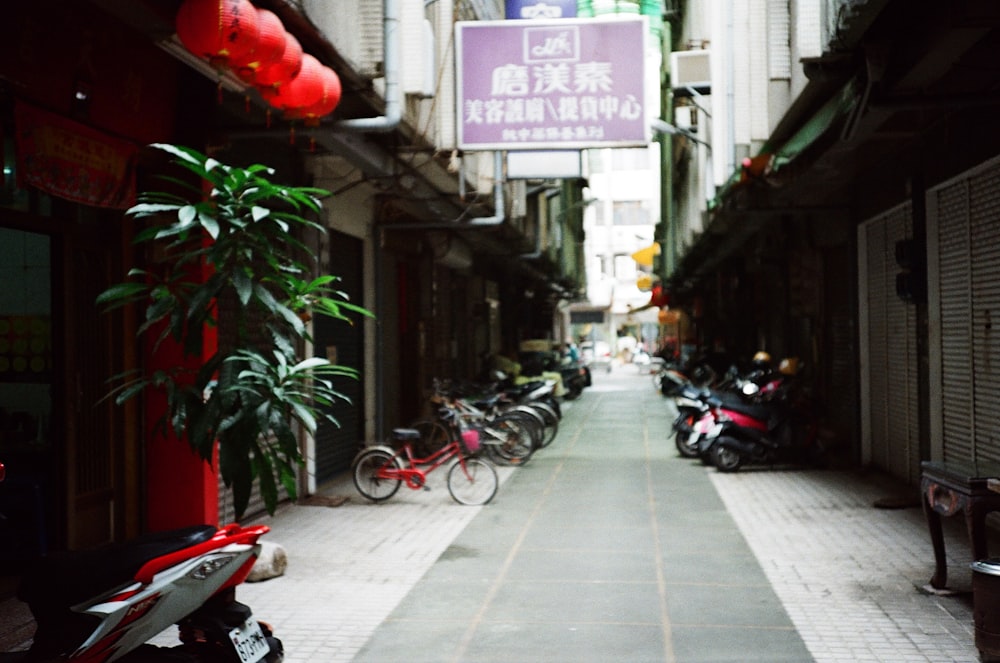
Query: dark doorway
point(343, 344)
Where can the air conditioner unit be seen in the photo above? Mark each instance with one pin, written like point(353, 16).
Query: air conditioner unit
point(417, 50)
point(691, 72)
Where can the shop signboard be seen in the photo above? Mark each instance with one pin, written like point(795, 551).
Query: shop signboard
point(559, 84)
point(534, 9)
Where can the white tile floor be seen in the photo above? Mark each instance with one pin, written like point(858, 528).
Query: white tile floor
point(850, 575)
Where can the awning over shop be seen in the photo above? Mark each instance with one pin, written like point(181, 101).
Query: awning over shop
point(838, 107)
point(730, 226)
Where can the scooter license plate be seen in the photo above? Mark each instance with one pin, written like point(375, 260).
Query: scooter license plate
point(249, 642)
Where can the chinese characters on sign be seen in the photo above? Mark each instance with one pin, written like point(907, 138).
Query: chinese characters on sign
point(73, 161)
point(569, 83)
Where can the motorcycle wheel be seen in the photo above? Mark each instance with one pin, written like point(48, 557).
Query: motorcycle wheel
point(726, 459)
point(685, 439)
point(687, 443)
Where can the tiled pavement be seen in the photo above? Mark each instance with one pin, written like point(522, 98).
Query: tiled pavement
point(848, 575)
point(851, 576)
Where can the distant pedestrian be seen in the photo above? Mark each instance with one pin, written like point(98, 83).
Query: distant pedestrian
point(572, 352)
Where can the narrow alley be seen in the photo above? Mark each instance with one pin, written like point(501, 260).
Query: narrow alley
point(608, 546)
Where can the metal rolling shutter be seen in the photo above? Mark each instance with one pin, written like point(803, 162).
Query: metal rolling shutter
point(951, 208)
point(984, 261)
point(902, 402)
point(892, 351)
point(966, 292)
point(877, 325)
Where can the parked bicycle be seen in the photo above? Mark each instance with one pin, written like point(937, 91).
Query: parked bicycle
point(507, 437)
point(380, 470)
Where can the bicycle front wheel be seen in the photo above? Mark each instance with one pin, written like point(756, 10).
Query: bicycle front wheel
point(507, 440)
point(366, 478)
point(532, 422)
point(472, 482)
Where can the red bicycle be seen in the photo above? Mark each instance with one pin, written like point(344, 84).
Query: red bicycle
point(378, 471)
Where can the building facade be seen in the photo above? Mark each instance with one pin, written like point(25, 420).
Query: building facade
point(440, 245)
point(849, 220)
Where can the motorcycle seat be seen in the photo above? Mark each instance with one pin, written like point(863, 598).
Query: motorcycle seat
point(487, 402)
point(734, 402)
point(59, 581)
point(520, 390)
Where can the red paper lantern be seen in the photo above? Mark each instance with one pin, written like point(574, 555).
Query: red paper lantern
point(302, 91)
point(659, 297)
point(270, 77)
point(220, 30)
point(268, 50)
point(327, 102)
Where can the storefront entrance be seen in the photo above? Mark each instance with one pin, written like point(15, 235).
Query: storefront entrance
point(72, 476)
point(29, 498)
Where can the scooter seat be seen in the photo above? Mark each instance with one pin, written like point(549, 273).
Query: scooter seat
point(520, 390)
point(57, 582)
point(487, 402)
point(734, 402)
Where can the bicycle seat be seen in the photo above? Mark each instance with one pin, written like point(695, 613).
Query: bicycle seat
point(404, 434)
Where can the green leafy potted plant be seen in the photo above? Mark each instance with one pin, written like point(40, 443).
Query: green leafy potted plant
point(240, 245)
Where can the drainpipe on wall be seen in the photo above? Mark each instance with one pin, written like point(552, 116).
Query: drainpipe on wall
point(393, 88)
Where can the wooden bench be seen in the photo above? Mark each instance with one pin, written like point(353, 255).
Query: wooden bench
point(947, 488)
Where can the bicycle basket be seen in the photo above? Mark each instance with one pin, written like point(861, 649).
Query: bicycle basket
point(470, 440)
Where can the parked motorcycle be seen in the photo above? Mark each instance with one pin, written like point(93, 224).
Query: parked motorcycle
point(575, 374)
point(695, 417)
point(103, 605)
point(782, 430)
point(533, 393)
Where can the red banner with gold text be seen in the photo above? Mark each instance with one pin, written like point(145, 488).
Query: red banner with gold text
point(73, 161)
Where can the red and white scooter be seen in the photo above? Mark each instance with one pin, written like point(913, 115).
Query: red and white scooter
point(103, 605)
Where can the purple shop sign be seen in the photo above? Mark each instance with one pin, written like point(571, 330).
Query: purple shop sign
point(562, 84)
point(547, 9)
